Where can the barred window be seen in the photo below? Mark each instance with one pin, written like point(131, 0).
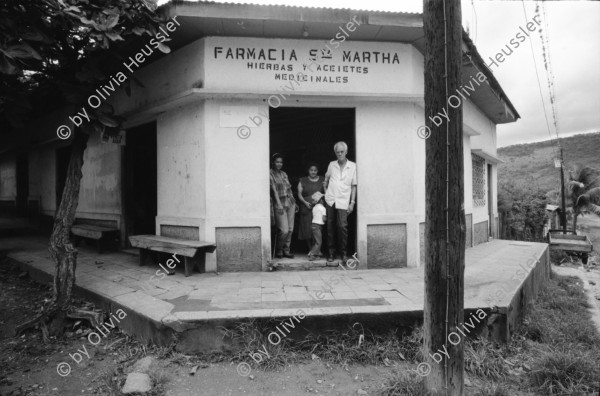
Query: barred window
point(478, 180)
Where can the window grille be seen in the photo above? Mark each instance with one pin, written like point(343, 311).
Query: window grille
point(478, 180)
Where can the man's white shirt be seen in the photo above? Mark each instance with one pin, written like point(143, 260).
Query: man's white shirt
point(340, 184)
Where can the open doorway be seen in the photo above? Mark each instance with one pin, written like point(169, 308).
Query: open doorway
point(140, 181)
point(304, 135)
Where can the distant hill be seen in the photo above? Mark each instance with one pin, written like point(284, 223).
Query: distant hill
point(534, 162)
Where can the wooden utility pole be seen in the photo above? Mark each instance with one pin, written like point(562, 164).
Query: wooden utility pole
point(444, 189)
point(563, 209)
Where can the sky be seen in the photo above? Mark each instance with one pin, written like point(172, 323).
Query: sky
point(573, 47)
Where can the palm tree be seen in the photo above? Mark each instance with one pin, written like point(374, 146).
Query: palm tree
point(584, 192)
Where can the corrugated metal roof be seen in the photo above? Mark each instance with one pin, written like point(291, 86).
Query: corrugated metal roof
point(176, 2)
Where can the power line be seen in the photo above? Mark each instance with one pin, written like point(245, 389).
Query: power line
point(540, 85)
point(475, 19)
point(548, 65)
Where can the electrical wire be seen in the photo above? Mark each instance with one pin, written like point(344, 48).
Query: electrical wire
point(548, 65)
point(475, 19)
point(540, 86)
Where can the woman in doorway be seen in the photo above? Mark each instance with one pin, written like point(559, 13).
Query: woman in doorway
point(307, 186)
point(285, 207)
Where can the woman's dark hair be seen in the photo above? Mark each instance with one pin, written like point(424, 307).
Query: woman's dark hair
point(311, 164)
point(274, 158)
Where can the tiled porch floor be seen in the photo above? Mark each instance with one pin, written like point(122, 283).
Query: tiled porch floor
point(116, 276)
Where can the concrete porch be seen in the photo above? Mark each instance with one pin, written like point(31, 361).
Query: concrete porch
point(502, 274)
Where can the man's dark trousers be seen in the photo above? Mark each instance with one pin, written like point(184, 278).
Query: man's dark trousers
point(337, 224)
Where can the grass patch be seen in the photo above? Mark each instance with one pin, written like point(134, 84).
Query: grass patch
point(494, 390)
point(252, 338)
point(483, 359)
point(404, 384)
point(563, 342)
point(565, 372)
point(561, 316)
point(356, 346)
point(556, 352)
point(352, 346)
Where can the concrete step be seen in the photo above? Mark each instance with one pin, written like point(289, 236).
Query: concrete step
point(301, 263)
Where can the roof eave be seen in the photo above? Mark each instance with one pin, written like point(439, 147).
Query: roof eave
point(377, 26)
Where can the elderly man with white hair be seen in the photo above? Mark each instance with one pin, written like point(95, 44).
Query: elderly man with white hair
point(340, 194)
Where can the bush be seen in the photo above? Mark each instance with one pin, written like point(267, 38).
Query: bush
point(565, 372)
point(522, 211)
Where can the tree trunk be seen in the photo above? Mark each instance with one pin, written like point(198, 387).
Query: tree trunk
point(575, 214)
point(444, 188)
point(62, 250)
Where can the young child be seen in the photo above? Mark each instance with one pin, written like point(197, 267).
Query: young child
point(318, 222)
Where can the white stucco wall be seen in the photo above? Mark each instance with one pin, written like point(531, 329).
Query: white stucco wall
point(237, 175)
point(181, 168)
point(181, 70)
point(228, 56)
point(387, 164)
point(475, 119)
point(486, 140)
point(8, 179)
point(100, 190)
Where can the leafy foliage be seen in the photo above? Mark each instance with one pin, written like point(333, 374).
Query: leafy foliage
point(55, 52)
point(584, 191)
point(522, 209)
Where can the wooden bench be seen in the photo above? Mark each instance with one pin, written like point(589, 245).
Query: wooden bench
point(98, 233)
point(193, 252)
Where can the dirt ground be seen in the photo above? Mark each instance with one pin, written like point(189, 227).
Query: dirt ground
point(28, 366)
point(590, 226)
